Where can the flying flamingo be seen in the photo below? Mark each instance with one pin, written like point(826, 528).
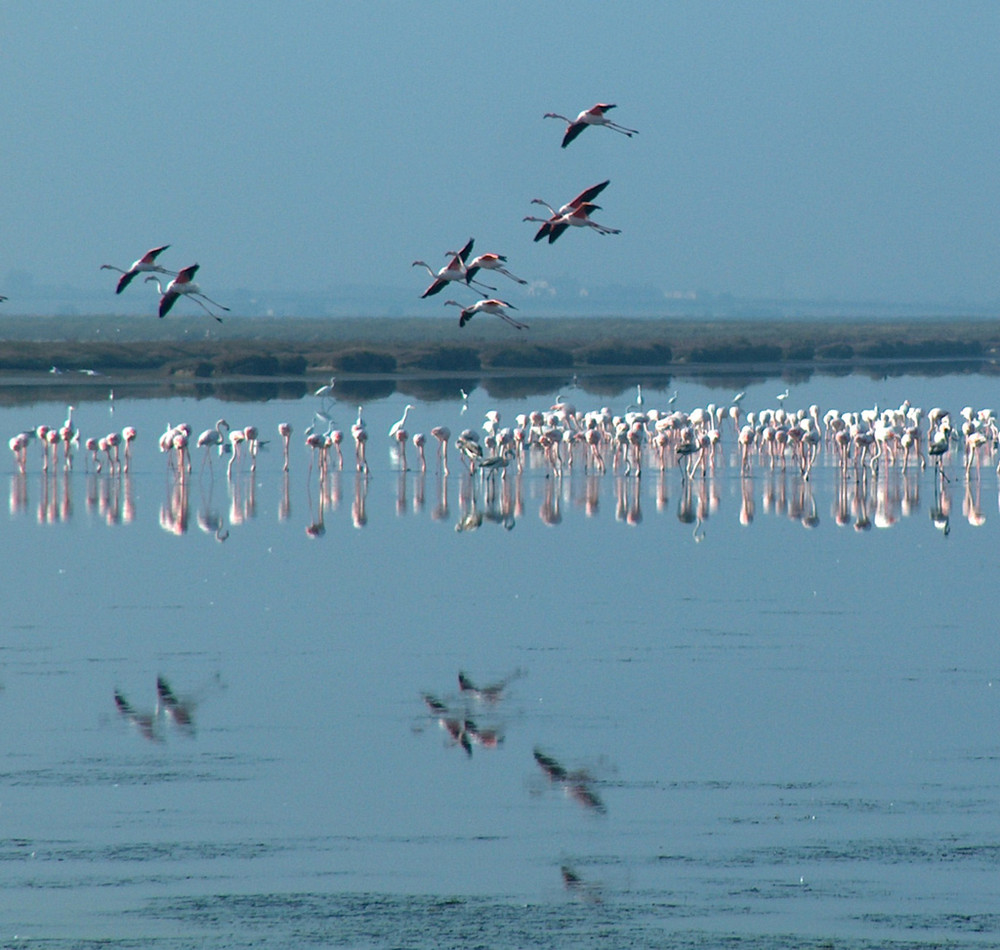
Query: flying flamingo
point(453, 270)
point(145, 263)
point(595, 115)
point(493, 262)
point(490, 305)
point(183, 283)
point(579, 217)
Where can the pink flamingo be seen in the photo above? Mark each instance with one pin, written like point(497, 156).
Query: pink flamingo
point(442, 434)
point(285, 431)
point(493, 262)
point(453, 270)
point(210, 438)
point(128, 434)
point(360, 435)
point(420, 440)
point(491, 305)
point(145, 263)
point(578, 217)
point(595, 115)
point(183, 285)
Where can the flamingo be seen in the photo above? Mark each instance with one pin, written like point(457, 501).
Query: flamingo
point(595, 115)
point(360, 435)
point(419, 440)
point(585, 196)
point(285, 431)
point(442, 434)
point(493, 262)
point(183, 283)
point(489, 305)
point(554, 226)
point(128, 435)
point(145, 263)
point(453, 270)
point(212, 437)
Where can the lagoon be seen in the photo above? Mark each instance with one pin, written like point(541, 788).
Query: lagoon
point(773, 700)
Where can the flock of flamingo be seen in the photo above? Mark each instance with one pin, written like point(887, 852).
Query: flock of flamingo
point(596, 439)
point(874, 456)
point(461, 270)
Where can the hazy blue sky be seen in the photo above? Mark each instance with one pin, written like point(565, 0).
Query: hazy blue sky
point(802, 149)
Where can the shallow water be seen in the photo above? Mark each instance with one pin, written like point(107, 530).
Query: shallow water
point(768, 705)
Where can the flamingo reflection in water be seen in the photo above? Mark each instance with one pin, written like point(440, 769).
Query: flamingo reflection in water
point(461, 728)
point(492, 693)
point(145, 723)
point(577, 784)
point(170, 708)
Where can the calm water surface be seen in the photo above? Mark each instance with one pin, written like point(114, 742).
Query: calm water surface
point(746, 712)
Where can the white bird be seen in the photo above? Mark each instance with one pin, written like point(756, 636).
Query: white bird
point(145, 263)
point(595, 115)
point(184, 285)
point(489, 305)
point(396, 426)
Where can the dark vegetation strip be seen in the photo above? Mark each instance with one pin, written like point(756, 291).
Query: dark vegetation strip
point(273, 347)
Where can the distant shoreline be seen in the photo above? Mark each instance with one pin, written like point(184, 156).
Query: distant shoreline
point(291, 352)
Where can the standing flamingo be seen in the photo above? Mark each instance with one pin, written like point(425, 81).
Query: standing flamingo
point(453, 270)
point(145, 263)
point(491, 305)
point(128, 434)
point(183, 284)
point(595, 115)
point(442, 434)
point(360, 435)
point(285, 431)
point(419, 440)
point(210, 438)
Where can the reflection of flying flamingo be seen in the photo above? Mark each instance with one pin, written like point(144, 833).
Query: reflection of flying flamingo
point(595, 115)
point(145, 263)
point(180, 713)
point(144, 722)
point(491, 305)
point(487, 694)
point(184, 285)
point(453, 270)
